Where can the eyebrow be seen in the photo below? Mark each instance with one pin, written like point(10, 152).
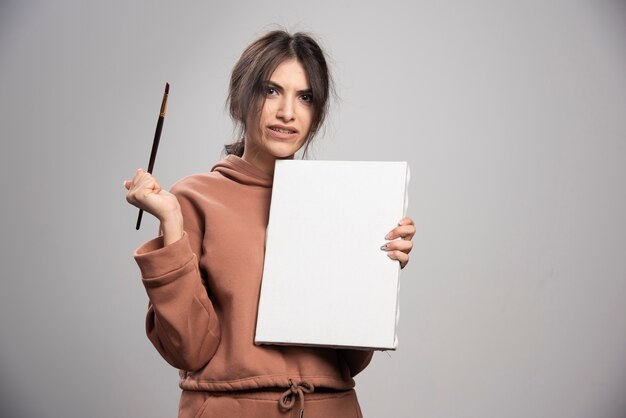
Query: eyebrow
point(281, 89)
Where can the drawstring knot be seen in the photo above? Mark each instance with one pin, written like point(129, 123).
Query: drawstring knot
point(288, 398)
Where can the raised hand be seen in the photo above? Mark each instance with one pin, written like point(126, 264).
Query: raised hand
point(145, 192)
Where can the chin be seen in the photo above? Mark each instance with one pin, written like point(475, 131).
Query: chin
point(283, 151)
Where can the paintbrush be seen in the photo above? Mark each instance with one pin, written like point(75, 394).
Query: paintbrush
point(155, 143)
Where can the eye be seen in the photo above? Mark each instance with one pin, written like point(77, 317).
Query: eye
point(307, 98)
point(271, 91)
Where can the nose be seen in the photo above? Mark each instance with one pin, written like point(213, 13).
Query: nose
point(285, 111)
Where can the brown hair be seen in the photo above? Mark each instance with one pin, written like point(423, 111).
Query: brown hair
point(246, 92)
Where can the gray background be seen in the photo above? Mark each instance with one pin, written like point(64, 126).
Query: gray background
point(511, 114)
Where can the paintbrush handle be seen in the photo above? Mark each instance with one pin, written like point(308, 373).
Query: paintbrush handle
point(155, 143)
point(139, 219)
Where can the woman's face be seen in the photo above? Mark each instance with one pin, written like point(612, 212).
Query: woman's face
point(285, 117)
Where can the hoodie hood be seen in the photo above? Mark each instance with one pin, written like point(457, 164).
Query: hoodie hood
point(241, 171)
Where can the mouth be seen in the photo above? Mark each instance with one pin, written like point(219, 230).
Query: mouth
point(287, 130)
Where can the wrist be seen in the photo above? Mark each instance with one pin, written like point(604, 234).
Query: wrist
point(172, 228)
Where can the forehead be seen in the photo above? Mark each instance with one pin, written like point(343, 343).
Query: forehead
point(291, 74)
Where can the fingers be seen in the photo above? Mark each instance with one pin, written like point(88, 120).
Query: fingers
point(403, 258)
point(140, 187)
point(404, 230)
point(399, 245)
point(142, 179)
point(399, 249)
point(129, 183)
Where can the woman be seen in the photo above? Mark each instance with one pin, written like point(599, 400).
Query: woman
point(202, 275)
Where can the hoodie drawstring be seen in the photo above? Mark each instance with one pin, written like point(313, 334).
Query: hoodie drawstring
point(288, 398)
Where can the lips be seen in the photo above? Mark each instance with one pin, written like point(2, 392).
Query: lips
point(283, 129)
point(282, 132)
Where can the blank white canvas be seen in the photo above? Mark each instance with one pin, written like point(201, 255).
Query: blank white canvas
point(326, 282)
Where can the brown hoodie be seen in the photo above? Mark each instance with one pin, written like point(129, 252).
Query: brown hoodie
point(204, 291)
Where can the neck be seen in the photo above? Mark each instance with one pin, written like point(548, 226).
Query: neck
point(265, 164)
point(261, 160)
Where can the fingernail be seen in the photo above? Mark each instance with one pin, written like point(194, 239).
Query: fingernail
point(384, 247)
point(390, 255)
point(388, 236)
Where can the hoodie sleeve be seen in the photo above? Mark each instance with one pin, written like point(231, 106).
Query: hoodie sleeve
point(357, 360)
point(181, 322)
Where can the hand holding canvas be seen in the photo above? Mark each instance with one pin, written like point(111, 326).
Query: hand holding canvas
point(400, 249)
